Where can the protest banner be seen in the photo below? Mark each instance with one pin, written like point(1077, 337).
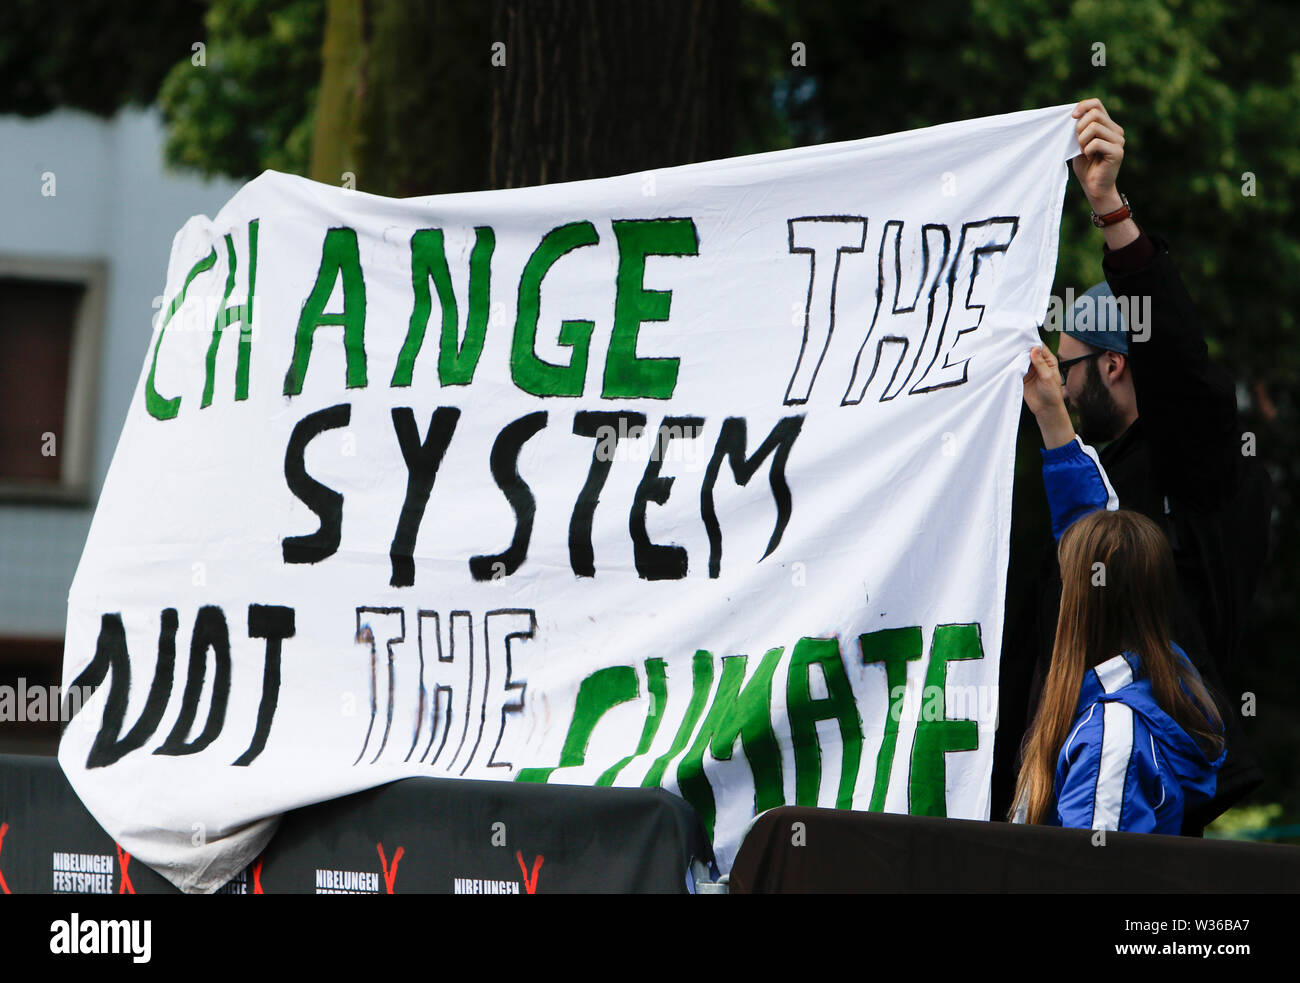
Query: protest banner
point(698, 478)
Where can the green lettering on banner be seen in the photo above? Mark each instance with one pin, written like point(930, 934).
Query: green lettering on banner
point(626, 375)
point(744, 713)
point(657, 685)
point(530, 373)
point(701, 683)
point(159, 407)
point(805, 712)
point(934, 738)
point(599, 693)
point(242, 313)
point(457, 360)
point(340, 256)
point(895, 647)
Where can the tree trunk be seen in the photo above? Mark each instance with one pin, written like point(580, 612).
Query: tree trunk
point(333, 141)
point(419, 100)
point(593, 89)
point(404, 99)
point(427, 109)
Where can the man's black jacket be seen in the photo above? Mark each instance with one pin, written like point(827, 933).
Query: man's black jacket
point(1184, 465)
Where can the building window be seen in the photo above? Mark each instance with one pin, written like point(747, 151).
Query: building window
point(50, 324)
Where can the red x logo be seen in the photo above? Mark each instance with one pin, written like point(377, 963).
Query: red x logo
point(124, 861)
point(390, 876)
point(530, 883)
point(4, 828)
point(257, 875)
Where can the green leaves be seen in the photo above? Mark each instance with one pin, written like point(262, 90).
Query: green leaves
point(250, 107)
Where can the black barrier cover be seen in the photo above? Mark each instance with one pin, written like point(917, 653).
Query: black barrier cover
point(476, 837)
point(825, 850)
point(49, 843)
point(421, 835)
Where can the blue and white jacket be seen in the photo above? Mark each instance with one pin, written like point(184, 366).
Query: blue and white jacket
point(1127, 765)
point(1076, 484)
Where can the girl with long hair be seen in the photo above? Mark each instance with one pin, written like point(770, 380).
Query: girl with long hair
point(1126, 736)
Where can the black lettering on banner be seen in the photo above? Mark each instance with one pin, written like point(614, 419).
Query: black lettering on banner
point(607, 428)
point(422, 462)
point(979, 241)
point(509, 684)
point(374, 678)
point(324, 501)
point(731, 445)
point(275, 624)
point(264, 621)
point(921, 338)
point(814, 235)
point(903, 329)
point(111, 656)
point(210, 632)
point(461, 626)
point(477, 697)
point(463, 683)
point(423, 697)
point(655, 561)
point(435, 698)
point(505, 471)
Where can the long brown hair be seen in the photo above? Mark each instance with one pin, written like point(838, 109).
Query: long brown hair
point(1117, 584)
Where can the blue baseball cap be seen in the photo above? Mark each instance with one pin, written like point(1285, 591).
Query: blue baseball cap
point(1095, 320)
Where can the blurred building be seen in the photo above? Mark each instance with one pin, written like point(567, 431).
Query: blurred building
point(87, 215)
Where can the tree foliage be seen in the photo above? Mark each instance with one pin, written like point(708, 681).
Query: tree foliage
point(95, 55)
point(250, 105)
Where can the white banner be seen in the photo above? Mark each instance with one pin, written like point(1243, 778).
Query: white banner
point(698, 478)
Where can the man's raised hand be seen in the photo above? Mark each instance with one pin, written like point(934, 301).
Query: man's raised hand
point(1101, 144)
